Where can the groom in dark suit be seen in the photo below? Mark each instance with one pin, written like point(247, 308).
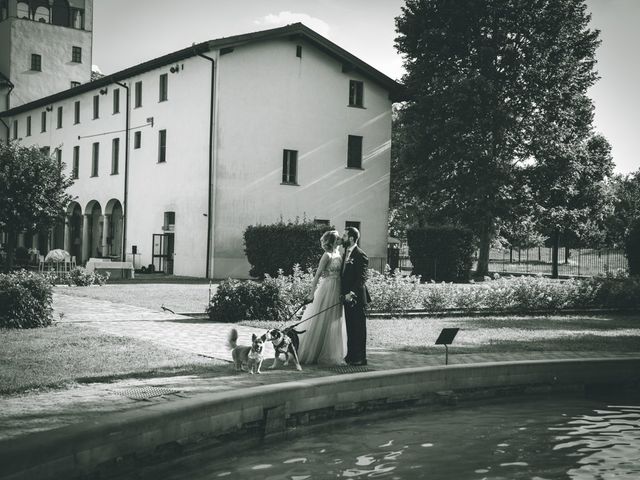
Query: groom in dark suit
point(356, 296)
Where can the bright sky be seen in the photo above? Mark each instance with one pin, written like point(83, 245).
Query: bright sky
point(129, 32)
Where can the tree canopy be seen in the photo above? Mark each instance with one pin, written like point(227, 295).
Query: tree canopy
point(32, 189)
point(497, 94)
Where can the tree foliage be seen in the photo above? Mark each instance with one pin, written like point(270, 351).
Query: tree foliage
point(624, 192)
point(32, 189)
point(494, 85)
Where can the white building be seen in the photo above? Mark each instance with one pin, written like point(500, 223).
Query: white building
point(232, 132)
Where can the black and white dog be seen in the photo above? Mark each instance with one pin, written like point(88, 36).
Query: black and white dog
point(285, 342)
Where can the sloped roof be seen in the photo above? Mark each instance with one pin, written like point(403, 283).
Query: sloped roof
point(293, 31)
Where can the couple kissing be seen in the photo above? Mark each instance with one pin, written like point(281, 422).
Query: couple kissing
point(337, 329)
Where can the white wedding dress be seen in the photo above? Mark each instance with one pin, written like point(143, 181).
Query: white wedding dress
point(325, 339)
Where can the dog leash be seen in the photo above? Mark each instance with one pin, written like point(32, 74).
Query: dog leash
point(314, 315)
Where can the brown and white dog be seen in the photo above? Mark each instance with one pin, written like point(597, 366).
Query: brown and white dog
point(285, 342)
point(246, 356)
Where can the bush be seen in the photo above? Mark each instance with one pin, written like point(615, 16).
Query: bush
point(271, 248)
point(236, 301)
point(25, 300)
point(632, 247)
point(292, 289)
point(81, 277)
point(614, 292)
point(441, 253)
point(392, 292)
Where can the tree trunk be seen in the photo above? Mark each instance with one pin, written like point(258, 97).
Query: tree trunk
point(567, 253)
point(483, 257)
point(554, 253)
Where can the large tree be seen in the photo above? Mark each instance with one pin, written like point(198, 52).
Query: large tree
point(32, 192)
point(482, 76)
point(624, 192)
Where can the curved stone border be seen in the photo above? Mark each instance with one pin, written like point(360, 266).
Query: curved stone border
point(126, 438)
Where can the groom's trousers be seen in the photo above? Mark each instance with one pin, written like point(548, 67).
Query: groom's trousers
point(356, 322)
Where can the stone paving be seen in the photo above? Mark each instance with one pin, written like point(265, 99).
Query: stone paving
point(38, 411)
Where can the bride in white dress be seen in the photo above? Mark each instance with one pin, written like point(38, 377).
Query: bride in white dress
point(325, 339)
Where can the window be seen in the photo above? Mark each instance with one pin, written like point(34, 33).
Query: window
point(36, 62)
point(289, 167)
point(115, 155)
point(59, 125)
point(43, 121)
point(76, 112)
point(76, 162)
point(138, 94)
point(137, 139)
point(15, 129)
point(318, 221)
point(41, 14)
point(23, 10)
point(76, 54)
point(356, 90)
point(299, 51)
point(162, 146)
point(348, 224)
point(164, 83)
point(96, 106)
point(77, 18)
point(354, 152)
point(116, 101)
point(95, 159)
point(59, 157)
point(75, 84)
point(169, 218)
point(29, 126)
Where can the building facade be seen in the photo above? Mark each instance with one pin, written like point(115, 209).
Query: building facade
point(175, 157)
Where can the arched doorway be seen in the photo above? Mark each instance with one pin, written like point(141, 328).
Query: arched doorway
point(113, 221)
point(74, 219)
point(93, 236)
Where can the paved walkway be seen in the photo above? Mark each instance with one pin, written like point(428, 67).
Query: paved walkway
point(38, 411)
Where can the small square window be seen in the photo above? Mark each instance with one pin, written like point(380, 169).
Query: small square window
point(356, 93)
point(290, 167)
point(137, 139)
point(36, 62)
point(354, 152)
point(76, 54)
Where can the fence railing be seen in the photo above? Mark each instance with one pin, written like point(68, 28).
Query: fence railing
point(586, 262)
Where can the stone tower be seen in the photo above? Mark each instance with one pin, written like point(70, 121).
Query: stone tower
point(45, 48)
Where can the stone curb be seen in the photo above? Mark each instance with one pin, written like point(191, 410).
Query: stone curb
point(119, 440)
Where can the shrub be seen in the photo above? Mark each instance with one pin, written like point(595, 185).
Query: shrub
point(236, 301)
point(392, 292)
point(632, 247)
point(441, 252)
point(292, 289)
point(271, 248)
point(614, 292)
point(81, 277)
point(25, 300)
point(435, 297)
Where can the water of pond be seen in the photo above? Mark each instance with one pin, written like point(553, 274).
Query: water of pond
point(539, 439)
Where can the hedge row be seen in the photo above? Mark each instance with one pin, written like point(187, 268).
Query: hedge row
point(25, 300)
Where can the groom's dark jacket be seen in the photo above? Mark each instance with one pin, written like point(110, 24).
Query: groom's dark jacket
point(354, 276)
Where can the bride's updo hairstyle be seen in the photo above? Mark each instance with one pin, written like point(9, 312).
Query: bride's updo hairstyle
point(329, 239)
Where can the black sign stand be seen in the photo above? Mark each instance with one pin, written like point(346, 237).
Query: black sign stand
point(446, 338)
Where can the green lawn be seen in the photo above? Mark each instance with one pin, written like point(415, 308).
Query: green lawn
point(63, 354)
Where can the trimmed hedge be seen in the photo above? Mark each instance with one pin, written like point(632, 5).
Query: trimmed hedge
point(632, 247)
point(270, 248)
point(441, 253)
point(236, 301)
point(25, 300)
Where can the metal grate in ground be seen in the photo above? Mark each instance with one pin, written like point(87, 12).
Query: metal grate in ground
point(351, 369)
point(145, 393)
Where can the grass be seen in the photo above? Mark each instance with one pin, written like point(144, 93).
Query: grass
point(181, 298)
point(64, 354)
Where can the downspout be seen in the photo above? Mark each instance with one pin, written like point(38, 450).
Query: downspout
point(210, 196)
point(126, 175)
point(11, 87)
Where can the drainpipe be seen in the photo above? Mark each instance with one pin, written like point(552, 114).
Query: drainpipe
point(11, 87)
point(126, 174)
point(211, 194)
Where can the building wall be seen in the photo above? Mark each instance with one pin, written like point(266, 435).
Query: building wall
point(270, 100)
point(54, 44)
point(178, 185)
